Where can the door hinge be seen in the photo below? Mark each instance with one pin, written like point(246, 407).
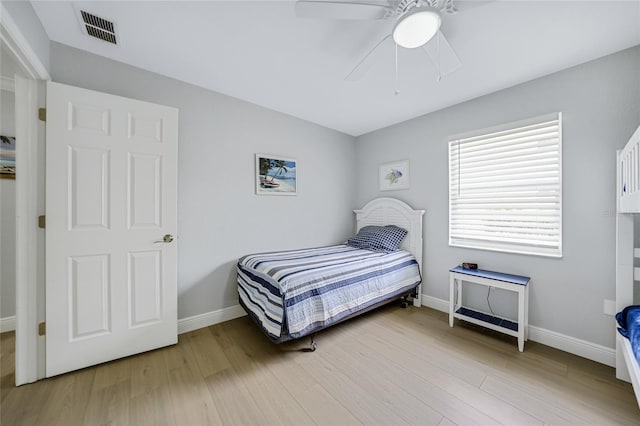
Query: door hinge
point(42, 328)
point(42, 114)
point(41, 221)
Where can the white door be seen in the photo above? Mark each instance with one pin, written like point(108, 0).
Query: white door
point(111, 262)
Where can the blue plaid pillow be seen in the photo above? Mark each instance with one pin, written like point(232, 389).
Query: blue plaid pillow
point(378, 238)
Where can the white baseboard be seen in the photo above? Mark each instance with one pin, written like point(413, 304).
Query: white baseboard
point(589, 350)
point(7, 324)
point(210, 318)
point(184, 325)
point(434, 303)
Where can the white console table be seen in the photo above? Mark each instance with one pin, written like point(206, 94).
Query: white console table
point(515, 283)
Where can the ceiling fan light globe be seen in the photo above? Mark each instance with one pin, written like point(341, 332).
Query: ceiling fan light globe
point(417, 27)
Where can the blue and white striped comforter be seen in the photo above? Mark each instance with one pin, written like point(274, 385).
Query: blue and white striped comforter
point(292, 293)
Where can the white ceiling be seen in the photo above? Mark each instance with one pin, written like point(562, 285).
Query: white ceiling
point(260, 52)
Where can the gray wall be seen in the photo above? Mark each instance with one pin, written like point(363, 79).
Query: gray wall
point(600, 103)
point(219, 216)
point(7, 216)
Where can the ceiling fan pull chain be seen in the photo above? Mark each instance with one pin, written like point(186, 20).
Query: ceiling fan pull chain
point(397, 79)
point(438, 52)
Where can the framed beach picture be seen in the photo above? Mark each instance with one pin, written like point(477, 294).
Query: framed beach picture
point(7, 157)
point(394, 175)
point(276, 175)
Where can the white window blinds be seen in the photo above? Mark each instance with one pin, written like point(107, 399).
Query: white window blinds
point(505, 188)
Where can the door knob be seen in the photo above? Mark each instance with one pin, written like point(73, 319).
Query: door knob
point(166, 239)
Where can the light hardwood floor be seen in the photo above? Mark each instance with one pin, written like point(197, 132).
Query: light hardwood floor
point(392, 366)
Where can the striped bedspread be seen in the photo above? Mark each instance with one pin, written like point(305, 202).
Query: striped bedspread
point(292, 293)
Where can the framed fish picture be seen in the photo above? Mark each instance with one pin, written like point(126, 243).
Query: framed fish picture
point(7, 157)
point(394, 175)
point(276, 175)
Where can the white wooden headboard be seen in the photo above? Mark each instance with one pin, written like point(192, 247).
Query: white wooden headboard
point(628, 201)
point(629, 176)
point(389, 211)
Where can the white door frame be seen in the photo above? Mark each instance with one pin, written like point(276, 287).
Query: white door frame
point(29, 286)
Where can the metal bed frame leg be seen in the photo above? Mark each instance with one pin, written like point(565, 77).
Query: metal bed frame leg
point(313, 345)
point(404, 303)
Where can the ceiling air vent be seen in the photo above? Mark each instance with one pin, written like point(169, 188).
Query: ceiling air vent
point(98, 27)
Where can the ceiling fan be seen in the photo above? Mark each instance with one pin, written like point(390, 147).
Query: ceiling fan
point(417, 24)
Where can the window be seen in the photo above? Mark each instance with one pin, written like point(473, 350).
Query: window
point(505, 188)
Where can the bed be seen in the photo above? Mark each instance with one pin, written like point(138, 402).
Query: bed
point(628, 317)
point(296, 293)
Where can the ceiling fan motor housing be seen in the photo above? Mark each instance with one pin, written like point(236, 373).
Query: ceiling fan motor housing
point(417, 27)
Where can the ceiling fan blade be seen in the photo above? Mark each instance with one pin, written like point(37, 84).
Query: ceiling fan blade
point(442, 55)
point(317, 9)
point(464, 5)
point(367, 62)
